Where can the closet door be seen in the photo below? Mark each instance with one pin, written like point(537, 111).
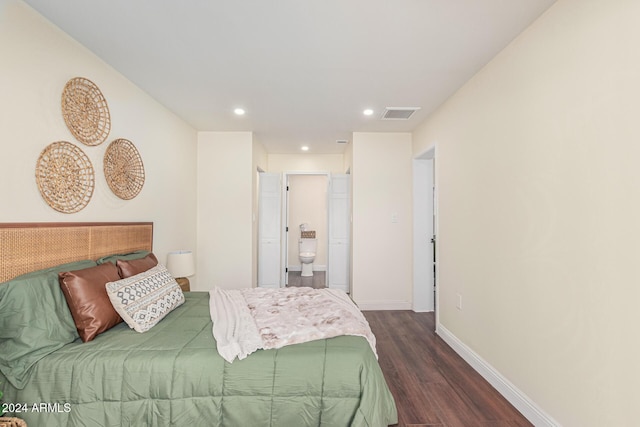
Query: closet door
point(269, 227)
point(339, 232)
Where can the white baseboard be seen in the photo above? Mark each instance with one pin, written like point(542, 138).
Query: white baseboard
point(516, 397)
point(421, 310)
point(383, 305)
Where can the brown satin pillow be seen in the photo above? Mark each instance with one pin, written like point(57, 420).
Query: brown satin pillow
point(131, 267)
point(88, 301)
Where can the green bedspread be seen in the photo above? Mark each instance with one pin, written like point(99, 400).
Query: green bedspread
point(172, 375)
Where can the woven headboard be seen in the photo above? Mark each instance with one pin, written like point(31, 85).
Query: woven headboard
point(26, 247)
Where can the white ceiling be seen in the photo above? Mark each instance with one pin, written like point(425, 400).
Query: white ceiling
point(304, 70)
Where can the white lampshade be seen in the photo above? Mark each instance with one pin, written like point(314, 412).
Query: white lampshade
point(181, 263)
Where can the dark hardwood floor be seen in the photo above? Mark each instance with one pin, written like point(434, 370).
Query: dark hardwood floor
point(431, 384)
point(316, 281)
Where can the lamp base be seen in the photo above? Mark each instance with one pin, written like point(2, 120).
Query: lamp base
point(184, 284)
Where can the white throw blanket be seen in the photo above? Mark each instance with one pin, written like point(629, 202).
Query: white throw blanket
point(245, 320)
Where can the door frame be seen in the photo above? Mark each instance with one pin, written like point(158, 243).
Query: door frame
point(425, 196)
point(284, 238)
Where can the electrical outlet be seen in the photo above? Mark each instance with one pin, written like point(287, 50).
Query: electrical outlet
point(459, 302)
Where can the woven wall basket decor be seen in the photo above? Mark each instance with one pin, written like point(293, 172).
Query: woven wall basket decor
point(123, 169)
point(65, 177)
point(85, 111)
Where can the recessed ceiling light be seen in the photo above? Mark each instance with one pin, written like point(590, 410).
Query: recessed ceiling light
point(239, 111)
point(368, 112)
point(304, 148)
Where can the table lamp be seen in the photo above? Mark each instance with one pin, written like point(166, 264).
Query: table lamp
point(181, 264)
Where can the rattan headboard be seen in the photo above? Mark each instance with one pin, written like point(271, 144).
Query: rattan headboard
point(26, 247)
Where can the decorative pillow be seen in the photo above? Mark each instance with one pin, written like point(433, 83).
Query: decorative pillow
point(34, 320)
point(131, 255)
point(146, 298)
point(128, 268)
point(88, 302)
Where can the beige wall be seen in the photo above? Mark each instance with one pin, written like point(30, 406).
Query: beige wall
point(382, 248)
point(333, 163)
point(226, 179)
point(538, 204)
point(37, 61)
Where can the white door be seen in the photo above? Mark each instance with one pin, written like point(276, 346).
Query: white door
point(339, 232)
point(284, 232)
point(269, 231)
point(423, 229)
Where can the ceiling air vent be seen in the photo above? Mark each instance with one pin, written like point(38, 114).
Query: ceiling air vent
point(341, 141)
point(398, 113)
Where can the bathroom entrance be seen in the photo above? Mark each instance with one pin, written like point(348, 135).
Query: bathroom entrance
point(320, 201)
point(306, 229)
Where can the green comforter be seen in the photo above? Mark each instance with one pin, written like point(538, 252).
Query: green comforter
point(172, 375)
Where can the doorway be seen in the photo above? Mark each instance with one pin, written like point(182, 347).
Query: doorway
point(424, 237)
point(279, 220)
point(305, 206)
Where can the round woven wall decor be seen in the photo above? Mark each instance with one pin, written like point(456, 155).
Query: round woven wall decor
point(123, 169)
point(85, 111)
point(65, 177)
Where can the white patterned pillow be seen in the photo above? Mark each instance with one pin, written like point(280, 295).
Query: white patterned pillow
point(146, 298)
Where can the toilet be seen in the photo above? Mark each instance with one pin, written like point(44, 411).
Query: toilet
point(307, 253)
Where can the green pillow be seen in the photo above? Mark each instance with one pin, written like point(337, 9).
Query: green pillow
point(132, 255)
point(34, 320)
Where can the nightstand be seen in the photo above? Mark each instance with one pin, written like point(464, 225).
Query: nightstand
point(184, 284)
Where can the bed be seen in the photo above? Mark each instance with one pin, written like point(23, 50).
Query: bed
point(171, 374)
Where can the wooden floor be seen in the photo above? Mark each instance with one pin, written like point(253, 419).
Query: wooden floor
point(316, 281)
point(431, 384)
